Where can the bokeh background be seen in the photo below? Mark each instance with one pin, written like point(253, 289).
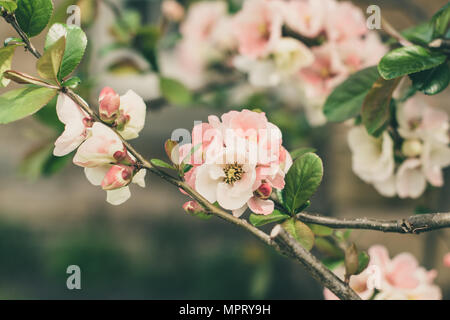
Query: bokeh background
point(149, 248)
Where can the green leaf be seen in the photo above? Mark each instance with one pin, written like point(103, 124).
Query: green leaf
point(72, 82)
point(49, 64)
point(363, 261)
point(6, 55)
point(145, 42)
point(20, 103)
point(376, 111)
point(259, 220)
point(302, 180)
point(161, 163)
point(174, 91)
point(432, 81)
point(33, 15)
point(300, 232)
point(8, 5)
point(23, 78)
point(332, 263)
point(301, 151)
point(406, 60)
point(346, 100)
point(76, 42)
point(441, 21)
point(421, 34)
point(321, 231)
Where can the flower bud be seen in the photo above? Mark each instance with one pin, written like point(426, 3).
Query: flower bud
point(412, 148)
point(123, 157)
point(109, 104)
point(172, 10)
point(195, 209)
point(169, 146)
point(264, 191)
point(118, 176)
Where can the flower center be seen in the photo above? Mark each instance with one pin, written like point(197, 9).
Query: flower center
point(233, 173)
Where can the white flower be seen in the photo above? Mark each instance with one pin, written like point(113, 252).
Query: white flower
point(228, 179)
point(410, 180)
point(372, 158)
point(134, 108)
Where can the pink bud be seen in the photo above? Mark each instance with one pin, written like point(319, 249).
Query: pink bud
point(123, 157)
point(117, 177)
point(109, 104)
point(447, 260)
point(172, 10)
point(193, 208)
point(264, 191)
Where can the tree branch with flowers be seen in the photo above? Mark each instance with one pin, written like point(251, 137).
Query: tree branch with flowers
point(238, 162)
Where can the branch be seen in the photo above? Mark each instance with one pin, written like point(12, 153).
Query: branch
point(390, 30)
point(413, 225)
point(293, 249)
point(11, 19)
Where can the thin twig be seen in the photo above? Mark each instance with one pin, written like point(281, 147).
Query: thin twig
point(11, 19)
point(293, 249)
point(390, 30)
point(413, 225)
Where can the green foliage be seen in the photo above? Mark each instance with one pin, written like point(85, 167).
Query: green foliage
point(300, 232)
point(6, 55)
point(432, 81)
point(175, 92)
point(301, 151)
point(145, 42)
point(72, 82)
point(321, 231)
point(421, 34)
point(328, 248)
point(302, 180)
point(363, 261)
point(33, 15)
point(259, 220)
point(441, 21)
point(410, 59)
point(346, 100)
point(76, 42)
point(161, 163)
point(376, 107)
point(20, 103)
point(8, 5)
point(49, 64)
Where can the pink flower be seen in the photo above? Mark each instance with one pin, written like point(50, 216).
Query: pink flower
point(307, 17)
point(344, 21)
point(400, 278)
point(133, 110)
point(201, 19)
point(257, 27)
point(172, 10)
point(239, 161)
point(100, 148)
point(446, 260)
point(76, 123)
point(118, 176)
point(109, 104)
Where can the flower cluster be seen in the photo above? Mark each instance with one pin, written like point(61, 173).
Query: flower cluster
point(403, 163)
point(400, 278)
point(237, 161)
point(308, 45)
point(101, 151)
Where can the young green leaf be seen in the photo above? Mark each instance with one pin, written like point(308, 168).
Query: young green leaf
point(301, 151)
point(174, 91)
point(8, 5)
point(49, 64)
point(328, 248)
point(363, 261)
point(6, 55)
point(432, 81)
point(33, 15)
point(20, 103)
point(421, 34)
point(406, 60)
point(351, 261)
point(76, 42)
point(72, 82)
point(302, 180)
point(161, 163)
point(321, 231)
point(376, 107)
point(346, 100)
point(300, 232)
point(441, 21)
point(23, 78)
point(259, 220)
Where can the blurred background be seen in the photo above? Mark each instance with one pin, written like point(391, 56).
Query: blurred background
point(149, 248)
